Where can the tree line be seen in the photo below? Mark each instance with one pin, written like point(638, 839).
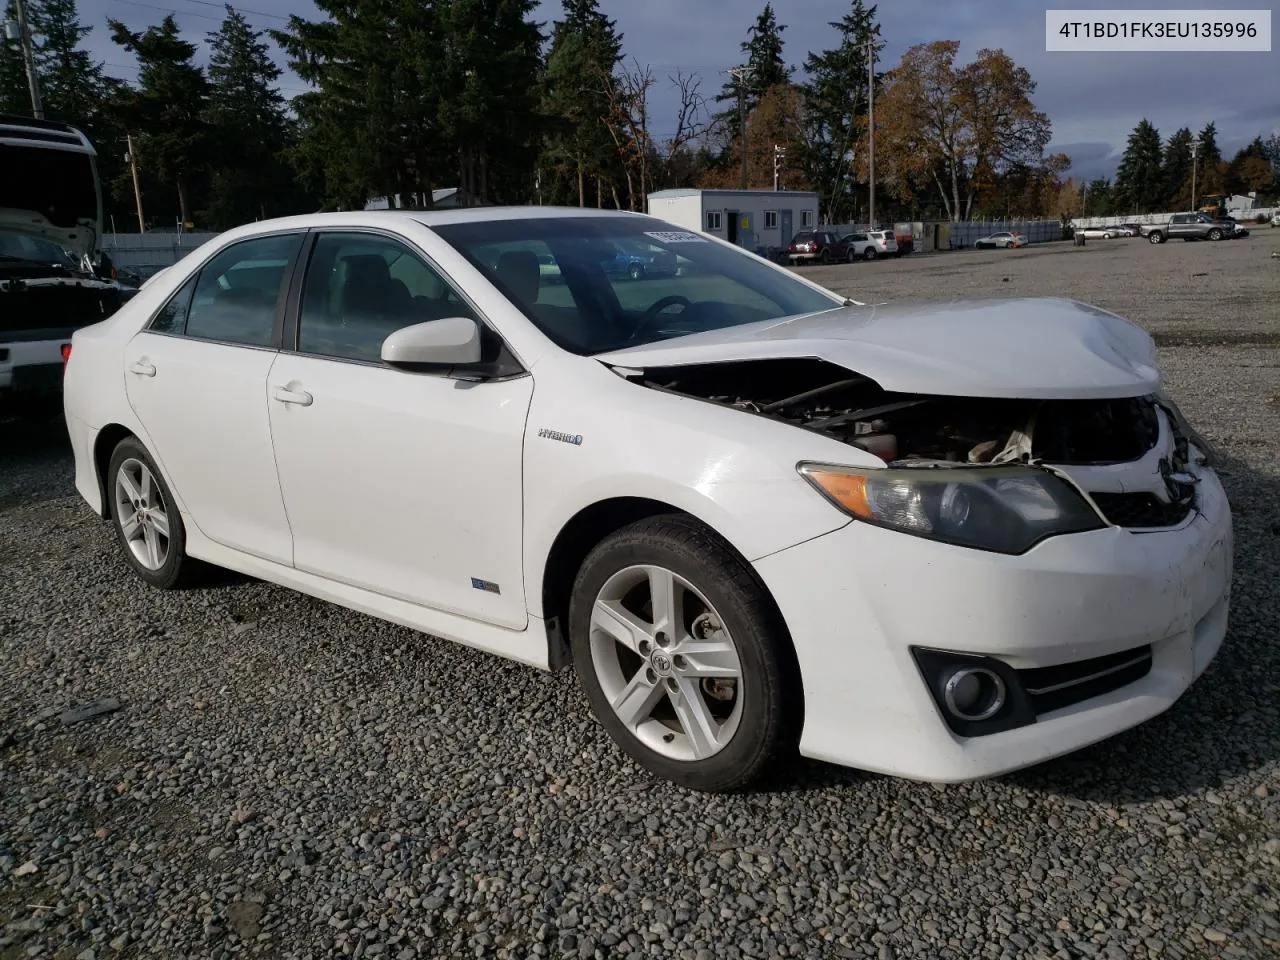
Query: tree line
point(1161, 176)
point(409, 96)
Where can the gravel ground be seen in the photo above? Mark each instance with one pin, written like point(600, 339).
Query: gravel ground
point(287, 779)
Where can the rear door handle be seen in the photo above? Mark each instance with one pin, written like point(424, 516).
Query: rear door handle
point(143, 368)
point(300, 397)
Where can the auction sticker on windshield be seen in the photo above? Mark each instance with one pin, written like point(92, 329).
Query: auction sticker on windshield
point(669, 237)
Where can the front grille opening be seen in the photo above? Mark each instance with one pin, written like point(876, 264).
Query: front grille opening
point(1055, 688)
point(1142, 510)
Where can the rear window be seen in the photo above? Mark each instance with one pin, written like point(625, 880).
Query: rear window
point(802, 238)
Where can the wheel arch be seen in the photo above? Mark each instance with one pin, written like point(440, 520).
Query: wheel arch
point(104, 444)
point(588, 527)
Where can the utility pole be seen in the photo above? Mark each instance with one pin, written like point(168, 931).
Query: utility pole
point(132, 160)
point(871, 131)
point(1195, 149)
point(740, 74)
point(28, 57)
point(779, 155)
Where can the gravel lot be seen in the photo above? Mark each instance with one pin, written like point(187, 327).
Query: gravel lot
point(287, 779)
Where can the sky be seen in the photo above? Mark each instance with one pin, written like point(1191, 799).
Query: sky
point(1093, 99)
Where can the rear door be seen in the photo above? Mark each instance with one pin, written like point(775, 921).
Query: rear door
point(197, 378)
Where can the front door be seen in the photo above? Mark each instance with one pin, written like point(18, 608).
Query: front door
point(404, 484)
point(784, 219)
point(731, 228)
point(197, 377)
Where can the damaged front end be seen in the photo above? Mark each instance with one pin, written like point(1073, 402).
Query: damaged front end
point(1134, 460)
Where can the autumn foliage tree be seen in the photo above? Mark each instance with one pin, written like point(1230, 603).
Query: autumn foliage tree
point(956, 128)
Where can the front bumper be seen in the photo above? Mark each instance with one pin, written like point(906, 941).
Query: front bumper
point(857, 599)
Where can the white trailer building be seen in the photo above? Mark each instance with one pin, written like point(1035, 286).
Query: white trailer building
point(763, 221)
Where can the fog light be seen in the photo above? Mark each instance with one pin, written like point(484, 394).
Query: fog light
point(974, 693)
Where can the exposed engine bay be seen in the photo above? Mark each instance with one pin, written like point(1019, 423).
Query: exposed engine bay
point(907, 429)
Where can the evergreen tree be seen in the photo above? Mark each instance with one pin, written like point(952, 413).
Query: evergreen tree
point(1098, 198)
point(1177, 170)
point(167, 111)
point(72, 85)
point(835, 108)
point(249, 126)
point(1211, 171)
point(15, 95)
point(1139, 184)
point(765, 67)
point(490, 109)
point(579, 89)
point(1250, 169)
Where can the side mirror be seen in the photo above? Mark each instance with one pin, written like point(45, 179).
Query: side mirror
point(435, 346)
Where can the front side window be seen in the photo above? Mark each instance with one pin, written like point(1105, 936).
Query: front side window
point(360, 288)
point(626, 281)
point(238, 291)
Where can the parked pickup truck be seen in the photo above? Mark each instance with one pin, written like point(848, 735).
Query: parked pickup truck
point(1188, 226)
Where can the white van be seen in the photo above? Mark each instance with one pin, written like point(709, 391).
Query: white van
point(51, 279)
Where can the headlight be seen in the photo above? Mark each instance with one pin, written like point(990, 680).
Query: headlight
point(1209, 454)
point(1006, 509)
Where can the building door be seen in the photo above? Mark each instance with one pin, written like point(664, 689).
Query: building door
point(731, 227)
point(784, 222)
point(746, 233)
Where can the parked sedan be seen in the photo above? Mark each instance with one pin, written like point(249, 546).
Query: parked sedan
point(1103, 233)
point(1006, 240)
point(938, 541)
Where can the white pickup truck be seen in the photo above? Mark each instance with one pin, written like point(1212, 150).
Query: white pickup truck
point(50, 225)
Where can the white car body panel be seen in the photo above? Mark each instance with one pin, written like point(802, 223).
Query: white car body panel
point(204, 406)
point(434, 441)
point(462, 480)
point(1042, 348)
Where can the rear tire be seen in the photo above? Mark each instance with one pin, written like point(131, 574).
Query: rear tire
point(869, 253)
point(1155, 236)
point(710, 703)
point(636, 271)
point(145, 516)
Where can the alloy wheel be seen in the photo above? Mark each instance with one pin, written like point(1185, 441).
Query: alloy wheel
point(142, 514)
point(666, 663)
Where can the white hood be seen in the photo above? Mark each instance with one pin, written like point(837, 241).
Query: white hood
point(1028, 348)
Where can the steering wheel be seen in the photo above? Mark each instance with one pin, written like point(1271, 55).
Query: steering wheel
point(649, 316)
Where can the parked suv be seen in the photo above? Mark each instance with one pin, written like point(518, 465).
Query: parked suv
point(809, 246)
point(868, 246)
point(1188, 226)
point(53, 278)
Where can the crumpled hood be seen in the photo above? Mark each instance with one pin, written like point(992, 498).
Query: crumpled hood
point(81, 238)
point(1029, 348)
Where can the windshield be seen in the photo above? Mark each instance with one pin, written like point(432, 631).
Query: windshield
point(23, 248)
point(624, 281)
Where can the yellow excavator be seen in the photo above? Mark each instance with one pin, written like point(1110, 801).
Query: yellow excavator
point(1215, 205)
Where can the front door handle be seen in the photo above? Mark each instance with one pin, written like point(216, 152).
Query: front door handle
point(143, 368)
point(287, 395)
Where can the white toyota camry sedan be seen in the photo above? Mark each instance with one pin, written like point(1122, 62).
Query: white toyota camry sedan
point(938, 541)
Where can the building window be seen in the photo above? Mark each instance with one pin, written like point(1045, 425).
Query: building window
point(806, 218)
point(771, 219)
point(715, 220)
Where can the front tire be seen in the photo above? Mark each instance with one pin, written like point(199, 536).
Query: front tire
point(1215, 234)
point(682, 655)
point(636, 271)
point(146, 519)
point(853, 256)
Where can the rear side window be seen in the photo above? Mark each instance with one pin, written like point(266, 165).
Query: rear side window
point(172, 317)
point(237, 292)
